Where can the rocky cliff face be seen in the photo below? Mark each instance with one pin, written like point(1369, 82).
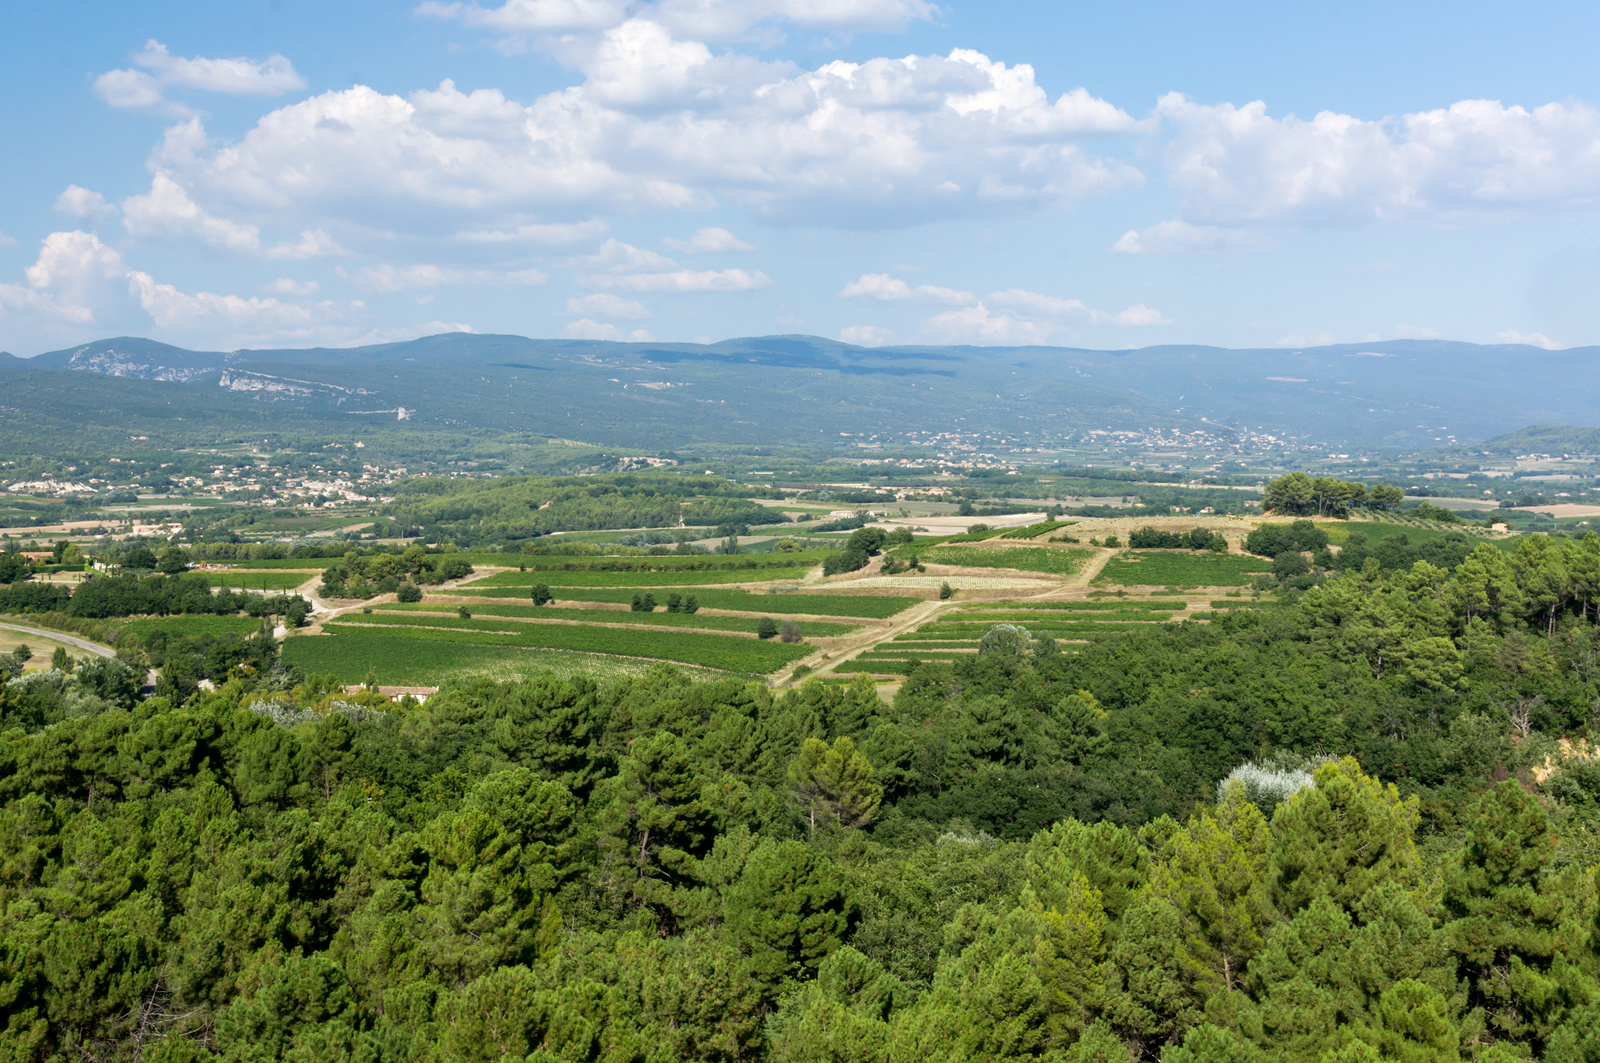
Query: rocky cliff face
point(141, 359)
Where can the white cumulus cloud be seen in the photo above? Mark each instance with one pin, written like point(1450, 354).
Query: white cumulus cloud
point(250, 319)
point(79, 287)
point(1235, 165)
point(707, 239)
point(684, 281)
point(313, 243)
point(585, 329)
point(979, 325)
point(82, 203)
point(289, 286)
point(167, 212)
point(388, 279)
point(1016, 315)
point(1530, 339)
point(1046, 306)
point(1415, 332)
point(1178, 237)
point(541, 16)
point(608, 305)
point(145, 89)
point(883, 288)
point(661, 124)
point(708, 19)
point(1139, 315)
point(547, 234)
point(621, 265)
point(74, 276)
point(866, 335)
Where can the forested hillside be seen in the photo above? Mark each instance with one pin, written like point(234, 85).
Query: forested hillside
point(798, 390)
point(507, 509)
point(1359, 824)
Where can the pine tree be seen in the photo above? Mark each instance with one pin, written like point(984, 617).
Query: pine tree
point(1514, 927)
point(654, 822)
point(834, 786)
point(1214, 873)
point(1341, 837)
point(788, 911)
point(1329, 974)
point(1070, 954)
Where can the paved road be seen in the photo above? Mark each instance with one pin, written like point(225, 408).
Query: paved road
point(57, 636)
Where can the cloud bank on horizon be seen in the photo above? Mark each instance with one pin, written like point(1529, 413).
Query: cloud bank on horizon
point(347, 214)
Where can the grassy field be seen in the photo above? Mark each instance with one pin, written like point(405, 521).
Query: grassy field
point(244, 579)
point(875, 667)
point(957, 635)
point(1160, 568)
point(1056, 561)
point(711, 651)
point(529, 568)
point(561, 578)
point(977, 631)
point(191, 625)
point(853, 605)
point(1374, 530)
point(1104, 605)
point(410, 662)
point(598, 616)
point(278, 564)
point(41, 645)
point(1053, 616)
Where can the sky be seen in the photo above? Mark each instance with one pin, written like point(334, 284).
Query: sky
point(283, 173)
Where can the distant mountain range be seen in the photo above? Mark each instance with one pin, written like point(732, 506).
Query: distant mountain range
point(792, 389)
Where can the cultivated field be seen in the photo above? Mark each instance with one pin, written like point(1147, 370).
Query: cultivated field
point(1180, 568)
point(592, 618)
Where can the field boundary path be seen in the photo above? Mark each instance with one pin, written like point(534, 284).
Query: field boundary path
point(322, 609)
point(1084, 576)
point(853, 645)
point(58, 636)
point(849, 647)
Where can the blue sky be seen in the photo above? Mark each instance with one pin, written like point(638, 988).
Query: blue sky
point(290, 173)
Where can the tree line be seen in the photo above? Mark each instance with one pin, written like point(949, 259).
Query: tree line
point(1338, 828)
point(511, 509)
point(1300, 495)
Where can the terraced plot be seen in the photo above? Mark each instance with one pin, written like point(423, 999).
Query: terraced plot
point(958, 633)
point(428, 614)
point(855, 605)
point(587, 578)
point(1055, 561)
point(729, 652)
point(1172, 568)
point(191, 624)
point(351, 655)
point(258, 580)
point(1101, 606)
point(501, 616)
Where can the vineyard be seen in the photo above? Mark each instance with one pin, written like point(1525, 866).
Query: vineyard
point(1160, 568)
point(1055, 561)
point(622, 609)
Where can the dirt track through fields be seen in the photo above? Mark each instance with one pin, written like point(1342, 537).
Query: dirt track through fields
point(849, 647)
point(1073, 588)
point(824, 660)
point(57, 636)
